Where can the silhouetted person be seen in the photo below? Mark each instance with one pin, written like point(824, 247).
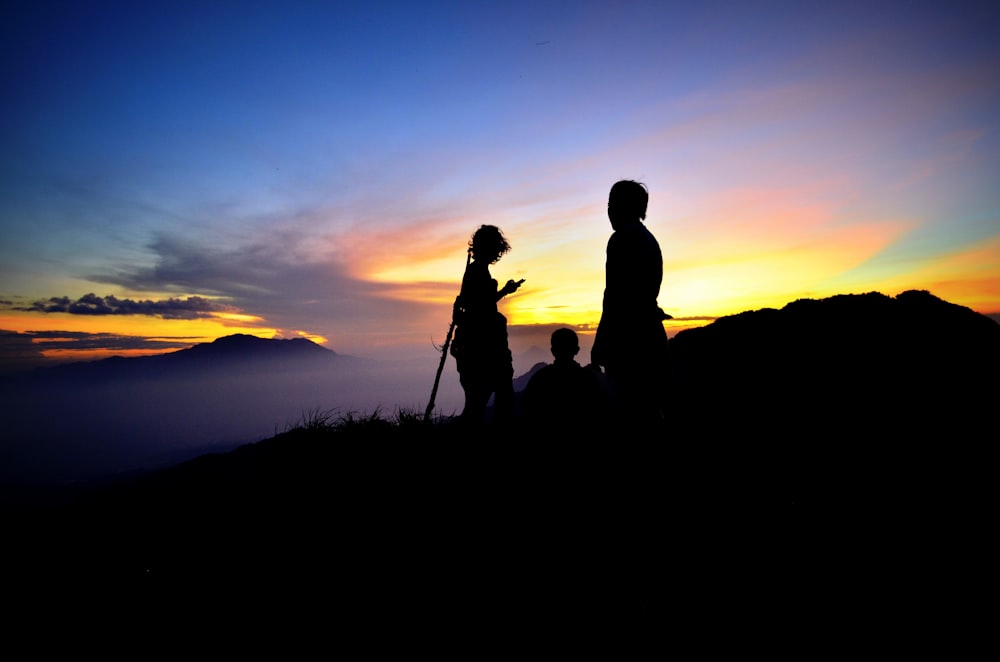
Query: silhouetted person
point(630, 342)
point(564, 396)
point(485, 364)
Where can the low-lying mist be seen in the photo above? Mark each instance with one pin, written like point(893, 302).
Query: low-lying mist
point(65, 430)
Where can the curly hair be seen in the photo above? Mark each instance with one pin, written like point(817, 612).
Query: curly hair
point(488, 239)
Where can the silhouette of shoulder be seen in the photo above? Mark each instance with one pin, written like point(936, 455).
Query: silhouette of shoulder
point(563, 392)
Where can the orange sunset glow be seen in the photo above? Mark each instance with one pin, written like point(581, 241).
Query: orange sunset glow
point(789, 153)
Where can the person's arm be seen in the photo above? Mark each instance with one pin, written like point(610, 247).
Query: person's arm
point(597, 351)
point(509, 288)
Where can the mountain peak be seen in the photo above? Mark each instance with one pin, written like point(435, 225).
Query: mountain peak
point(242, 344)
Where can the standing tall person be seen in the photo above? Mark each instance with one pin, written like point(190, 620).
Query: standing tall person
point(631, 344)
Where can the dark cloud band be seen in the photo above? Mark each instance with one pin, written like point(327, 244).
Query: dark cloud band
point(90, 304)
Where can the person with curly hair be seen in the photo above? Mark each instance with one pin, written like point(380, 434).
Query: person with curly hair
point(485, 365)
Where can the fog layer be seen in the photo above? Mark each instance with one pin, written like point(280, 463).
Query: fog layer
point(75, 427)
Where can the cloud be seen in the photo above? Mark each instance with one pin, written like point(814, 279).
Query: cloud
point(82, 340)
point(288, 279)
point(193, 307)
point(18, 352)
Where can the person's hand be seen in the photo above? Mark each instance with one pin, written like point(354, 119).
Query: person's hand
point(511, 286)
point(597, 353)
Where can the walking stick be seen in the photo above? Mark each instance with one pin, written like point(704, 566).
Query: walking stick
point(444, 353)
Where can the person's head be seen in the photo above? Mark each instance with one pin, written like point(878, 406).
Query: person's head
point(488, 244)
point(627, 202)
point(565, 344)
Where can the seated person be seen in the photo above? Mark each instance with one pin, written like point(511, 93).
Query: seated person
point(564, 396)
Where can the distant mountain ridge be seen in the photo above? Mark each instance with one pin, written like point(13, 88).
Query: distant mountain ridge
point(244, 344)
point(233, 353)
point(247, 349)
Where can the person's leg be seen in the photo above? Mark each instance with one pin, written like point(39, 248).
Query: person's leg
point(503, 403)
point(502, 385)
point(477, 394)
point(636, 400)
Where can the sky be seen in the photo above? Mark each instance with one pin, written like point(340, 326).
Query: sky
point(171, 173)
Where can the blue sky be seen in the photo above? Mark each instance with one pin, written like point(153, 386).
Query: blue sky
point(316, 168)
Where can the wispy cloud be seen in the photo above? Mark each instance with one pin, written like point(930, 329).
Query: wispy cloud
point(79, 340)
point(285, 280)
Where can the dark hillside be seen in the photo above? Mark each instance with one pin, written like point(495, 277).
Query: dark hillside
point(865, 402)
point(828, 449)
point(853, 365)
point(392, 523)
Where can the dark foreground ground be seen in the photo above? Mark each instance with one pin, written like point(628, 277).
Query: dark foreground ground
point(414, 527)
point(813, 488)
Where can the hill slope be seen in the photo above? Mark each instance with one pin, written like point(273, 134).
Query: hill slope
point(898, 364)
point(818, 450)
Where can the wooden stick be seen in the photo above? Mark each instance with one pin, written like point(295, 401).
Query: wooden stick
point(444, 353)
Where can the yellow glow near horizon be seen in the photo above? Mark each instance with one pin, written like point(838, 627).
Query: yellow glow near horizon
point(318, 339)
point(238, 317)
point(744, 249)
point(967, 277)
point(762, 256)
point(199, 330)
point(752, 249)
